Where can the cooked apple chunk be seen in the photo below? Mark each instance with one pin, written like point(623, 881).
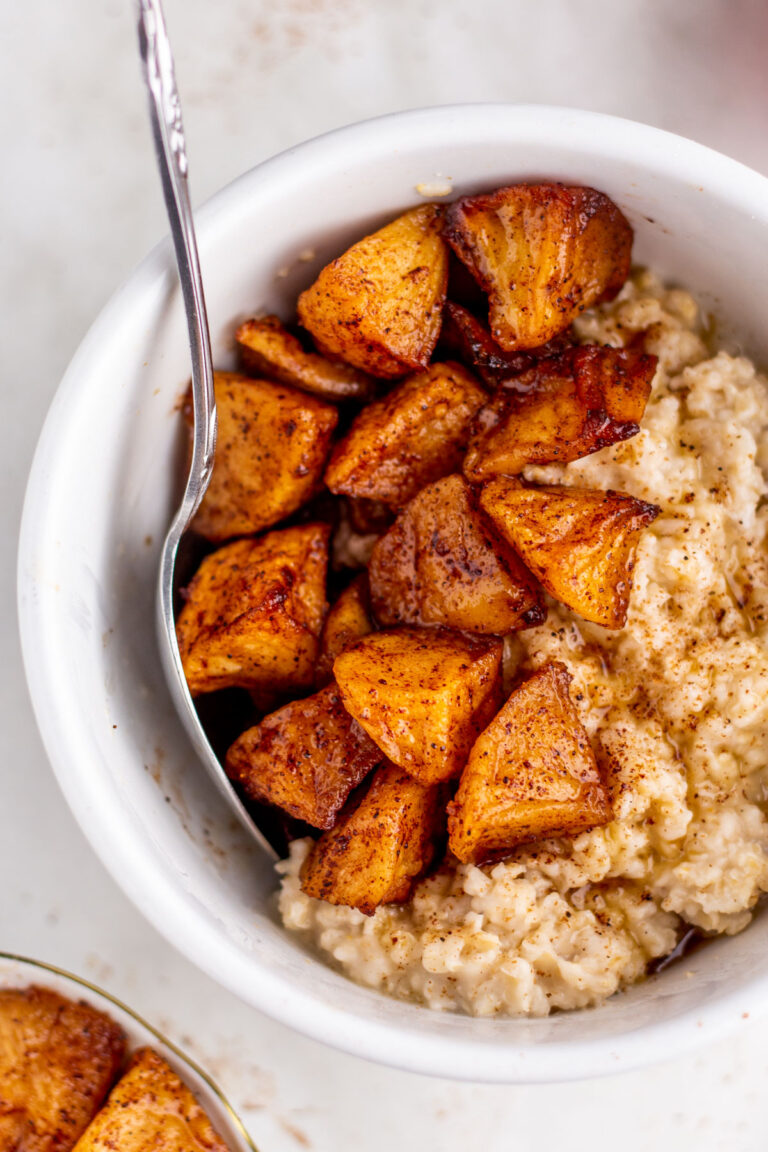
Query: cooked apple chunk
point(268, 349)
point(348, 620)
point(58, 1059)
point(375, 853)
point(151, 1108)
point(472, 343)
point(543, 253)
point(416, 434)
point(422, 695)
point(566, 407)
point(580, 543)
point(532, 774)
point(305, 758)
point(254, 612)
point(438, 564)
point(271, 449)
point(379, 305)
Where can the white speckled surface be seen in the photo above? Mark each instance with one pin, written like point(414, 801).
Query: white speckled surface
point(80, 205)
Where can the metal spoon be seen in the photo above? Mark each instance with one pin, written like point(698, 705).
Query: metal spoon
point(168, 132)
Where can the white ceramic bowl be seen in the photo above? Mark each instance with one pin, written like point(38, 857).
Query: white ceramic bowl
point(20, 972)
point(99, 500)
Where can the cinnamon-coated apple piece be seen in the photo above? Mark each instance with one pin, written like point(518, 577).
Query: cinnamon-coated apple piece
point(579, 542)
point(531, 775)
point(543, 253)
point(379, 305)
point(268, 349)
point(151, 1108)
point(272, 445)
point(440, 564)
point(376, 853)
point(58, 1060)
point(348, 620)
point(305, 758)
point(416, 434)
point(470, 341)
point(564, 408)
point(422, 695)
point(254, 612)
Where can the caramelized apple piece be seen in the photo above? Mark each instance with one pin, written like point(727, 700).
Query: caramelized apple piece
point(151, 1108)
point(532, 774)
point(543, 253)
point(416, 434)
point(376, 853)
point(268, 349)
point(348, 620)
point(438, 564)
point(58, 1059)
point(254, 612)
point(472, 343)
point(379, 305)
point(578, 542)
point(422, 695)
point(271, 449)
point(564, 408)
point(305, 758)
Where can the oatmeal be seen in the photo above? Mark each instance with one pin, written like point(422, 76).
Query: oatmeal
point(676, 705)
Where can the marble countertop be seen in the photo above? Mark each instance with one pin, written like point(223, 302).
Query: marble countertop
point(80, 206)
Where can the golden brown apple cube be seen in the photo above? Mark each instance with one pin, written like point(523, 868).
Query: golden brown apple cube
point(422, 695)
point(376, 853)
point(254, 612)
point(305, 758)
point(151, 1108)
point(440, 564)
point(58, 1059)
point(268, 349)
point(416, 434)
point(563, 409)
point(543, 253)
point(271, 450)
point(379, 305)
point(531, 775)
point(348, 620)
point(580, 543)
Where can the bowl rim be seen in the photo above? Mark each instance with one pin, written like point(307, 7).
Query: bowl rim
point(112, 1002)
point(170, 910)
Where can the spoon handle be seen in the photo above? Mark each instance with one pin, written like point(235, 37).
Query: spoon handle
point(170, 145)
point(165, 112)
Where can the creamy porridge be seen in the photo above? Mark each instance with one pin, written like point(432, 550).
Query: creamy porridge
point(676, 704)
